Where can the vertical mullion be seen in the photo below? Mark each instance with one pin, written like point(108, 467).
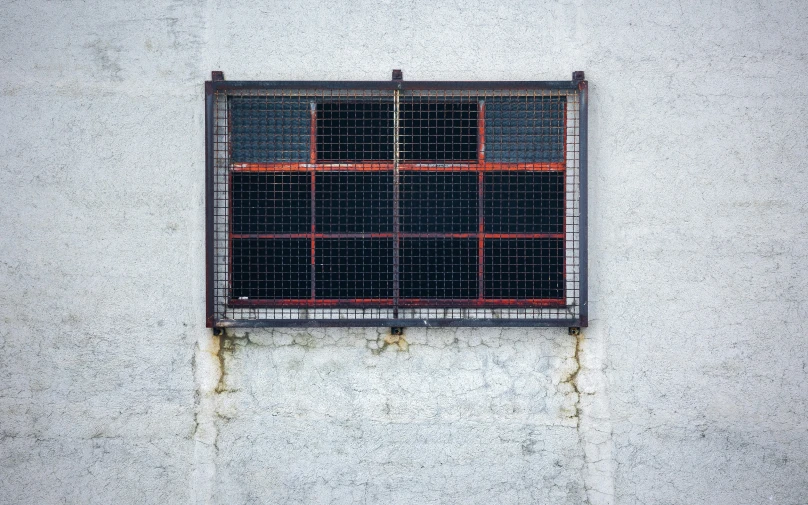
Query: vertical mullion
point(396, 225)
point(583, 141)
point(564, 221)
point(313, 155)
point(481, 196)
point(210, 212)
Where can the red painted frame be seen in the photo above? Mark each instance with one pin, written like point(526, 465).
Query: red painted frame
point(480, 166)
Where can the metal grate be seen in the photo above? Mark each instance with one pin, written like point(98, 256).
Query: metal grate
point(396, 203)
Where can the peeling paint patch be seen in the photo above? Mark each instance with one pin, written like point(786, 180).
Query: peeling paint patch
point(398, 340)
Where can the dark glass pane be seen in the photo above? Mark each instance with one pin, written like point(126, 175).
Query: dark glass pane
point(354, 268)
point(439, 202)
point(524, 268)
point(354, 131)
point(443, 131)
point(271, 203)
point(524, 202)
point(440, 268)
point(354, 202)
point(271, 269)
point(270, 129)
point(525, 129)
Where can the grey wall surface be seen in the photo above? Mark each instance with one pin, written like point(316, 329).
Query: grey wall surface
point(690, 385)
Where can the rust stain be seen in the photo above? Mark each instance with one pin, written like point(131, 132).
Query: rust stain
point(572, 378)
point(397, 340)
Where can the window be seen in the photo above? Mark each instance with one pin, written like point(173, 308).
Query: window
point(396, 203)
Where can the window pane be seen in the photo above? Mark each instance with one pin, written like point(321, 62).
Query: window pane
point(525, 129)
point(526, 202)
point(270, 129)
point(271, 203)
point(440, 268)
point(354, 202)
point(438, 202)
point(444, 131)
point(524, 268)
point(354, 268)
point(354, 131)
point(271, 269)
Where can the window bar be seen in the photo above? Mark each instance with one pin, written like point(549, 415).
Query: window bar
point(313, 160)
point(481, 199)
point(210, 195)
point(227, 109)
point(564, 220)
point(583, 141)
point(380, 166)
point(396, 190)
point(471, 235)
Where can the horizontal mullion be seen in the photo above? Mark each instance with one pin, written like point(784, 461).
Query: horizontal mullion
point(492, 303)
point(483, 167)
point(504, 236)
point(308, 167)
point(386, 88)
point(411, 166)
point(481, 302)
point(318, 302)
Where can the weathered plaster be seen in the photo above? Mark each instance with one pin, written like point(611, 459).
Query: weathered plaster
point(447, 402)
point(690, 385)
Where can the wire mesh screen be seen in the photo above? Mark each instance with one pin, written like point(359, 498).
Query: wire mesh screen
point(395, 206)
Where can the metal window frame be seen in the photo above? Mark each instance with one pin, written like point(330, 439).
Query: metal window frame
point(218, 84)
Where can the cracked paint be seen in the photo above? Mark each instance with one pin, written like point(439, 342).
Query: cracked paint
point(507, 390)
point(406, 394)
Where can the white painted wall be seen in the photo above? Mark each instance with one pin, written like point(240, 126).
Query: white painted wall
point(691, 383)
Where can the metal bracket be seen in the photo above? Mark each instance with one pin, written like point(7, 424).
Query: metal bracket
point(397, 330)
point(578, 76)
point(574, 331)
point(398, 75)
point(217, 75)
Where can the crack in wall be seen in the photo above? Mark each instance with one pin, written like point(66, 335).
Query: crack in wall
point(593, 424)
point(208, 369)
point(577, 377)
point(572, 381)
point(572, 378)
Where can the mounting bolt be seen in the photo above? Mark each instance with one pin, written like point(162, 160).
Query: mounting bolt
point(217, 75)
point(397, 330)
point(574, 331)
point(578, 76)
point(398, 75)
point(218, 332)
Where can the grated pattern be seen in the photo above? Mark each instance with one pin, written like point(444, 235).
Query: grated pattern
point(348, 204)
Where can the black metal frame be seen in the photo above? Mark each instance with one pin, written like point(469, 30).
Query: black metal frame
point(217, 84)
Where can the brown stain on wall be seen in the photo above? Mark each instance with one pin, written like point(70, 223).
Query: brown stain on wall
point(572, 378)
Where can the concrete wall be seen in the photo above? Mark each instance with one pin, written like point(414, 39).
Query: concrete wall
point(690, 386)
